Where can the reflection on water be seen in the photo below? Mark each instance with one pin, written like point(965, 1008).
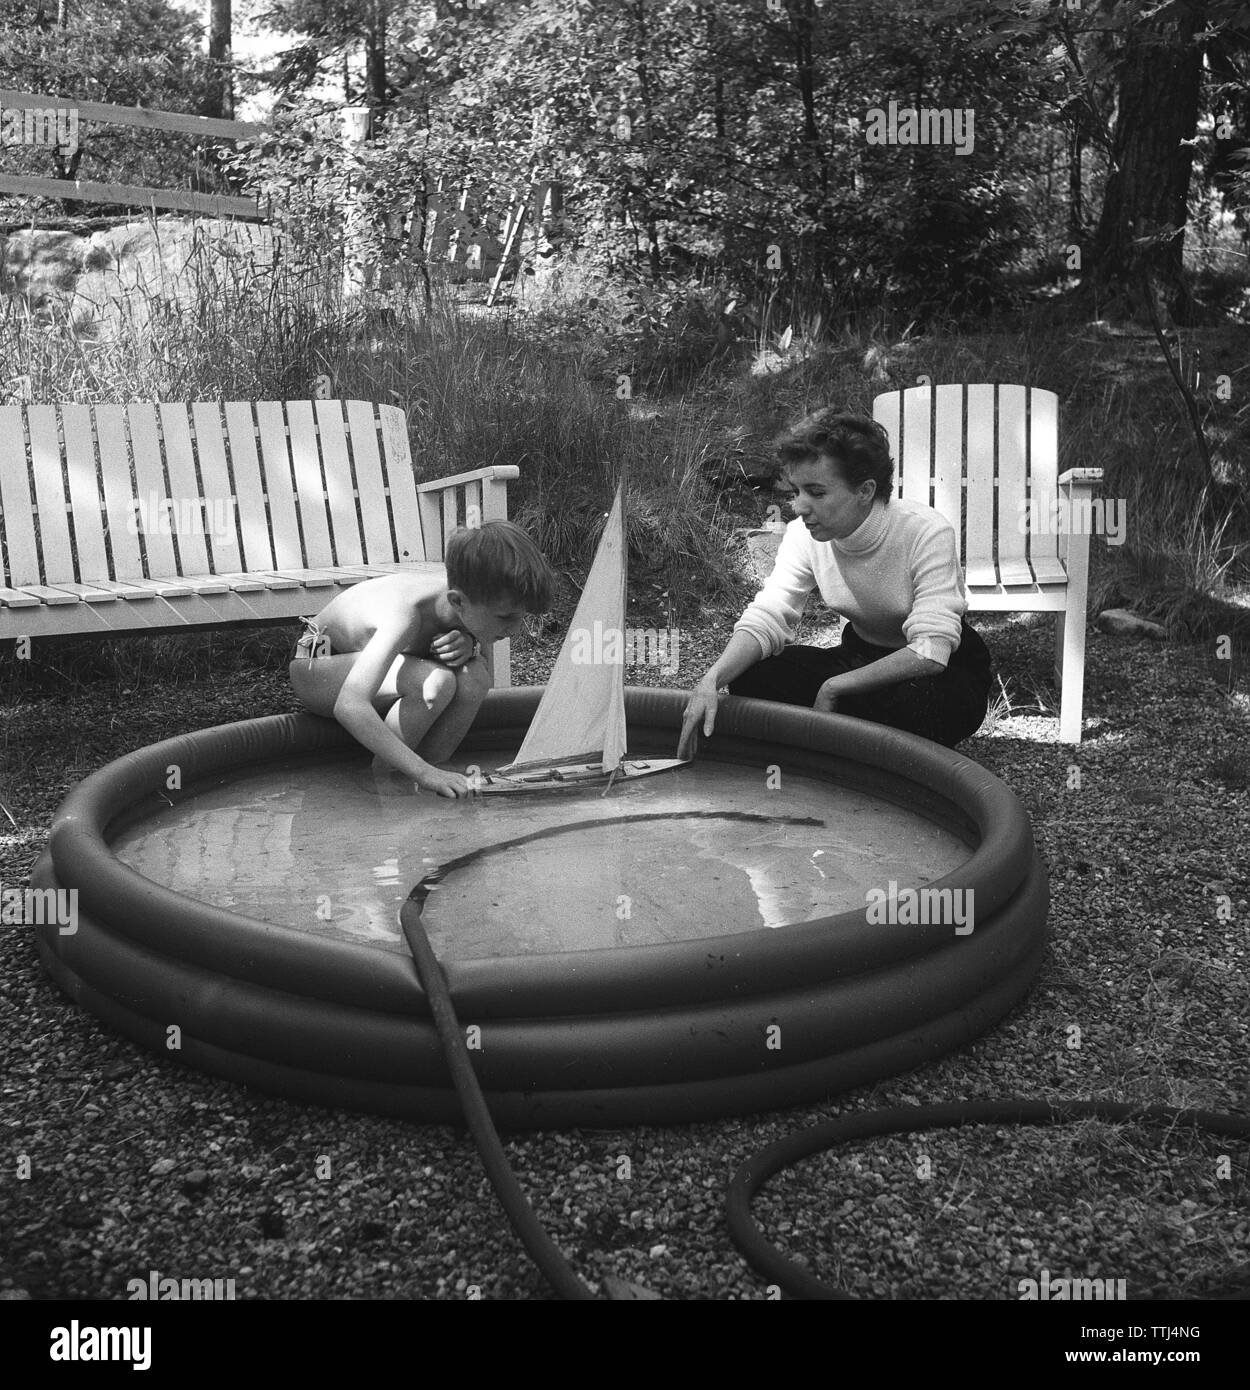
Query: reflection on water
point(336, 846)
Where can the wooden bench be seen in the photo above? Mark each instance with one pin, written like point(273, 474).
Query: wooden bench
point(152, 518)
point(981, 455)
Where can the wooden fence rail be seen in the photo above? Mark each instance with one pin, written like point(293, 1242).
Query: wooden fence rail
point(85, 190)
point(139, 116)
point(452, 230)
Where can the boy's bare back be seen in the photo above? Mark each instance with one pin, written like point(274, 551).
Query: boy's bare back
point(350, 620)
point(401, 660)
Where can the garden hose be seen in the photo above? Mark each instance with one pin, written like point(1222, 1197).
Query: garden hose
point(791, 1277)
point(760, 1253)
point(542, 1249)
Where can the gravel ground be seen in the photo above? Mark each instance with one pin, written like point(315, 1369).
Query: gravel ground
point(138, 1165)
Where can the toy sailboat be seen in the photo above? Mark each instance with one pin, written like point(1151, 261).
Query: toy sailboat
point(577, 736)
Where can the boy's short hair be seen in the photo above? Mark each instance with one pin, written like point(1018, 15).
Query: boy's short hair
point(858, 446)
point(498, 560)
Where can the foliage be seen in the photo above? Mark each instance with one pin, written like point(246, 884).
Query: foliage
point(733, 130)
point(726, 131)
point(233, 326)
point(122, 52)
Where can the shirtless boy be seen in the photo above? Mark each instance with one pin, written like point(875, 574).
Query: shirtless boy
point(398, 660)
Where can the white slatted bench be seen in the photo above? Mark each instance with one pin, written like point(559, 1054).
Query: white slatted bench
point(979, 454)
point(151, 518)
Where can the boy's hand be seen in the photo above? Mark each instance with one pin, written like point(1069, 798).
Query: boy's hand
point(453, 648)
point(449, 784)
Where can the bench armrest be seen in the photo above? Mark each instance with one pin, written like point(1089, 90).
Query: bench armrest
point(1080, 477)
point(443, 500)
point(496, 472)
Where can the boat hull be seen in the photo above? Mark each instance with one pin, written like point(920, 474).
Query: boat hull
point(571, 776)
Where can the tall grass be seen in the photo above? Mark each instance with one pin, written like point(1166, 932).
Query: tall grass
point(178, 313)
point(212, 321)
point(215, 315)
point(1183, 569)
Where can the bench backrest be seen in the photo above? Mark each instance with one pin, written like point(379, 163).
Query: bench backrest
point(91, 492)
point(979, 454)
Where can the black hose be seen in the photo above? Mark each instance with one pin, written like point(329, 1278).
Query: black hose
point(542, 1249)
point(760, 1253)
point(767, 1260)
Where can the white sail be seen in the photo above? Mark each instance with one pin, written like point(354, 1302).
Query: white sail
point(582, 712)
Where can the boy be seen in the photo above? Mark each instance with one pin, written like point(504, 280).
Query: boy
point(397, 660)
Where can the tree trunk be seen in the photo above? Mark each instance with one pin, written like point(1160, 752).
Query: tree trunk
point(1139, 244)
point(1076, 195)
point(718, 80)
point(816, 168)
point(375, 56)
point(802, 19)
point(220, 98)
point(641, 179)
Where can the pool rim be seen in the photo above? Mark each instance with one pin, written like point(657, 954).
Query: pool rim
point(617, 1057)
point(281, 957)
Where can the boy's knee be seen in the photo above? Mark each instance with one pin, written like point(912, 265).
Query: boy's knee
point(439, 688)
point(473, 679)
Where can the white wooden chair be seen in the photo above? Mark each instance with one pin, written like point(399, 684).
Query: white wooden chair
point(980, 455)
point(148, 518)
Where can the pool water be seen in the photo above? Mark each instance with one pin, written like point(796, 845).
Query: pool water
point(335, 846)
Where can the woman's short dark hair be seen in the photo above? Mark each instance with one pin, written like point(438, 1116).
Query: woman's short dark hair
point(858, 447)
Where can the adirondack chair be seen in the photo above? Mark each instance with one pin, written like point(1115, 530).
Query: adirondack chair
point(978, 454)
point(149, 518)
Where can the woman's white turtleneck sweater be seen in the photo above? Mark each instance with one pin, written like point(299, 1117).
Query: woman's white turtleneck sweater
point(897, 578)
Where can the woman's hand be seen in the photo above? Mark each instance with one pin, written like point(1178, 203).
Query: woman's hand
point(453, 648)
point(827, 698)
point(449, 784)
point(700, 712)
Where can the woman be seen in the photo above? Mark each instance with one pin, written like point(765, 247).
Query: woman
point(908, 656)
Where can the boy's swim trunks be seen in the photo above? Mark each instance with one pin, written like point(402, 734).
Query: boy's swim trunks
point(314, 642)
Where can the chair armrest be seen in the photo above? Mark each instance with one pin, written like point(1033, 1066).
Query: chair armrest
point(1077, 486)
